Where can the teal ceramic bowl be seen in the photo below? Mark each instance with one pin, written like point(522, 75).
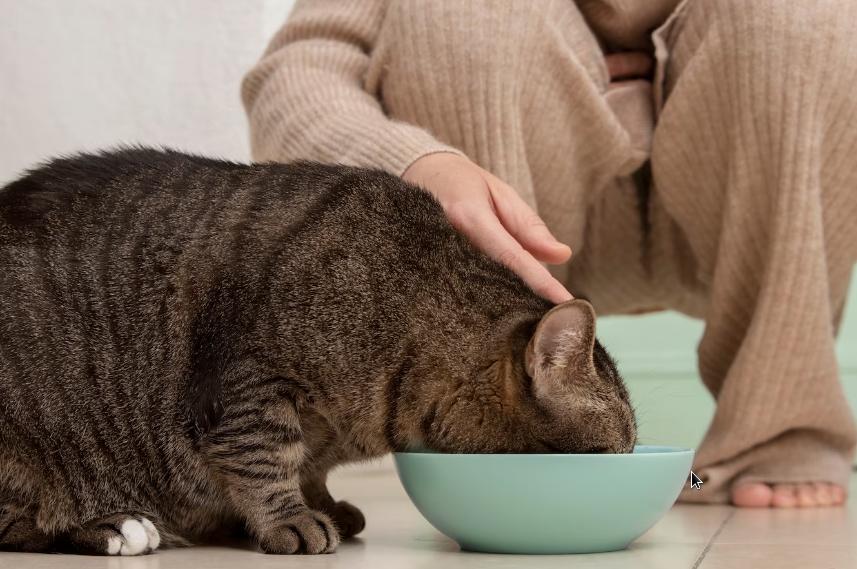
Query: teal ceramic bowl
point(545, 503)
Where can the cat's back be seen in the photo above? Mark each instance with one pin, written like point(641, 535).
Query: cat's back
point(109, 190)
point(103, 256)
point(86, 246)
point(82, 229)
point(67, 200)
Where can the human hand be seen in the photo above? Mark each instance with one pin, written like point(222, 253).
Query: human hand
point(494, 218)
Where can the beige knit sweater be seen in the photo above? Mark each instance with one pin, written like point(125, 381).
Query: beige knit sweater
point(310, 96)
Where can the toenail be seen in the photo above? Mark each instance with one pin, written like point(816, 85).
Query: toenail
point(785, 496)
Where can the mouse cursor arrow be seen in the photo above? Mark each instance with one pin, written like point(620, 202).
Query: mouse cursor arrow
point(695, 481)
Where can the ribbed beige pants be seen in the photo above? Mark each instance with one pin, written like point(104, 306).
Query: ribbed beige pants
point(750, 219)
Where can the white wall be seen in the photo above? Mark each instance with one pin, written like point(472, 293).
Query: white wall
point(86, 74)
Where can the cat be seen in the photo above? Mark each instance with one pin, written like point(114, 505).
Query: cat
point(189, 345)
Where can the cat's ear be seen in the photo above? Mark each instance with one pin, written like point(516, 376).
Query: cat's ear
point(565, 334)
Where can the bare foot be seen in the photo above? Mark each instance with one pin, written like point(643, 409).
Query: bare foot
point(799, 495)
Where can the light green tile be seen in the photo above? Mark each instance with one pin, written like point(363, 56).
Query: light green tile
point(673, 411)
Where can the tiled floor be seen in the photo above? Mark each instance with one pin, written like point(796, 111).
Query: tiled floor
point(698, 537)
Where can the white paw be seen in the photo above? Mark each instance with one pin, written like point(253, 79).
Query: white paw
point(152, 533)
point(137, 536)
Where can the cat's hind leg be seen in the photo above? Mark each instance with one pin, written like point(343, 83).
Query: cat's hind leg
point(116, 534)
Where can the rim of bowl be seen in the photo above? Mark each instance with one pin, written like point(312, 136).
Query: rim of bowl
point(656, 450)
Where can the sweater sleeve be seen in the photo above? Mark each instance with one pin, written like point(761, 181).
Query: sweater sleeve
point(305, 98)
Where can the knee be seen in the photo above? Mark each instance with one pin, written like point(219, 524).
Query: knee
point(452, 41)
point(760, 51)
point(804, 32)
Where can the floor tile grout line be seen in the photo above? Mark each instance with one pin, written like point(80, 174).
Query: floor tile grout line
point(708, 545)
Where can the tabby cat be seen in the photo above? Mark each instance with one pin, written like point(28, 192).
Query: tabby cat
point(188, 346)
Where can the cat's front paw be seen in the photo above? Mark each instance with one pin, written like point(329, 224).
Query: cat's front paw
point(348, 519)
point(308, 532)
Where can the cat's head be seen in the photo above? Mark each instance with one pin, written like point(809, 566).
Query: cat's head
point(551, 387)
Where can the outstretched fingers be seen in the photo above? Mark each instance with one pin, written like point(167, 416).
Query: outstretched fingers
point(525, 225)
point(488, 234)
